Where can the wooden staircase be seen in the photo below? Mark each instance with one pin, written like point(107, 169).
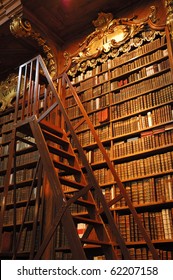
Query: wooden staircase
point(63, 171)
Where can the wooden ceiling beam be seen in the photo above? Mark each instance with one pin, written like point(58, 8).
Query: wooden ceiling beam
point(9, 8)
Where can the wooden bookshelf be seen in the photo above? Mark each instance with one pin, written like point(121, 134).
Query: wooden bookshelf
point(128, 98)
point(23, 196)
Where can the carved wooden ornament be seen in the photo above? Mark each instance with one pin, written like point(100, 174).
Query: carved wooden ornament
point(110, 38)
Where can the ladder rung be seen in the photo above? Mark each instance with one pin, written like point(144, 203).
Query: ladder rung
point(60, 152)
point(69, 169)
point(56, 139)
point(80, 219)
point(51, 128)
point(73, 184)
point(95, 242)
point(81, 201)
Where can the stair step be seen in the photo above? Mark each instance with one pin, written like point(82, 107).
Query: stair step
point(70, 183)
point(67, 168)
point(56, 139)
point(84, 220)
point(51, 128)
point(81, 201)
point(95, 242)
point(60, 152)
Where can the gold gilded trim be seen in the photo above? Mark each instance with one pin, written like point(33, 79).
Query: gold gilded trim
point(169, 14)
point(112, 37)
point(8, 90)
point(20, 27)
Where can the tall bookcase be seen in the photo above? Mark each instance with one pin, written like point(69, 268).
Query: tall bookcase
point(22, 202)
point(128, 94)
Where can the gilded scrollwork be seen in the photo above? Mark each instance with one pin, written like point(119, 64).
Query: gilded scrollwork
point(21, 27)
point(8, 90)
point(169, 20)
point(110, 38)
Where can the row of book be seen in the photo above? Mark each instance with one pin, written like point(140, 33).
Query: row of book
point(87, 138)
point(9, 215)
point(100, 85)
point(143, 102)
point(24, 244)
point(1, 180)
point(20, 160)
point(95, 155)
point(4, 149)
point(143, 253)
point(60, 238)
point(3, 163)
point(101, 89)
point(157, 116)
point(5, 137)
point(159, 225)
point(149, 141)
point(135, 254)
point(140, 122)
point(137, 168)
point(143, 167)
point(131, 91)
point(140, 87)
point(97, 103)
point(21, 194)
point(27, 158)
point(142, 61)
point(144, 191)
point(75, 112)
point(142, 73)
point(6, 127)
point(7, 118)
point(141, 192)
point(111, 63)
point(125, 108)
point(24, 174)
point(94, 102)
point(140, 51)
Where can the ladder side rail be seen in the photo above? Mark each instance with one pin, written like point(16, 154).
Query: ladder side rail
point(23, 91)
point(18, 94)
point(30, 90)
point(36, 88)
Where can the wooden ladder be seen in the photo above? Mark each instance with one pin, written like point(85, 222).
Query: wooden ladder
point(63, 169)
